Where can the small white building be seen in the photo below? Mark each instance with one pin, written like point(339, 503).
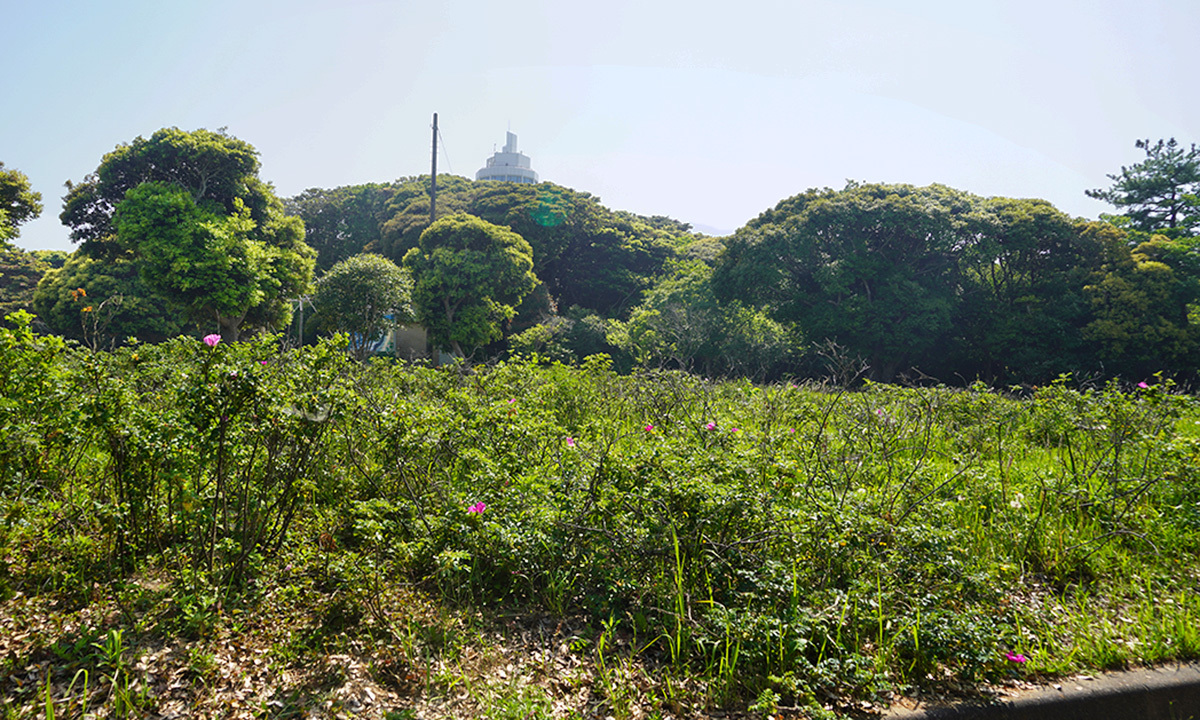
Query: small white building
point(508, 165)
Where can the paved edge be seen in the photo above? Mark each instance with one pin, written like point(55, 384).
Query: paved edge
point(1169, 692)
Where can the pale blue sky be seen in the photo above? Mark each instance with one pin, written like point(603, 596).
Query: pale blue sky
point(704, 111)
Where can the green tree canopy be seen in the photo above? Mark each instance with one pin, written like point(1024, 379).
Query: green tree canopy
point(1159, 194)
point(1139, 322)
point(18, 204)
point(872, 267)
point(212, 167)
point(959, 286)
point(359, 295)
point(586, 254)
point(20, 272)
point(407, 213)
point(342, 222)
point(103, 303)
point(680, 324)
point(469, 275)
point(204, 231)
point(1022, 304)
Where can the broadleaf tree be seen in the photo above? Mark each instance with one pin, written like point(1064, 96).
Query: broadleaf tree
point(680, 324)
point(1022, 305)
point(468, 278)
point(18, 203)
point(103, 303)
point(584, 253)
point(342, 222)
point(206, 233)
point(20, 272)
point(362, 296)
point(872, 267)
point(1140, 321)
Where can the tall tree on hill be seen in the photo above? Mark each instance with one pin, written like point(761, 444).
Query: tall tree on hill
point(586, 254)
point(205, 232)
point(1022, 305)
point(407, 214)
point(1159, 194)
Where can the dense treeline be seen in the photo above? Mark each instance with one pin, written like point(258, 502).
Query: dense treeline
point(968, 287)
point(930, 280)
point(178, 234)
point(584, 254)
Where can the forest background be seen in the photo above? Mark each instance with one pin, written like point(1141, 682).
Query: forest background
point(915, 281)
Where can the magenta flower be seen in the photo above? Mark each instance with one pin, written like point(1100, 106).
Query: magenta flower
point(1143, 385)
point(1015, 657)
point(477, 508)
point(649, 428)
point(212, 340)
point(511, 401)
point(262, 362)
point(570, 442)
point(710, 426)
point(734, 430)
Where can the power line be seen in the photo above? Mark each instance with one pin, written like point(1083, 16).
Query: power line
point(445, 154)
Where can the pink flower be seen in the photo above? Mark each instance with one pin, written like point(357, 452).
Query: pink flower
point(734, 430)
point(791, 430)
point(570, 442)
point(511, 401)
point(212, 340)
point(262, 362)
point(1143, 385)
point(477, 508)
point(1015, 657)
point(710, 426)
point(649, 428)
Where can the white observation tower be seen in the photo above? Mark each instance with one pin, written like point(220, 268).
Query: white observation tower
point(508, 165)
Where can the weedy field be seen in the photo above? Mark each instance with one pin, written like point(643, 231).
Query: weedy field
point(243, 531)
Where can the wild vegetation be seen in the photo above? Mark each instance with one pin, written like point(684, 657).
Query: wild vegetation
point(219, 529)
point(882, 441)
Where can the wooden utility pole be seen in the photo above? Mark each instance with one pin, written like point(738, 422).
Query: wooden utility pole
point(433, 176)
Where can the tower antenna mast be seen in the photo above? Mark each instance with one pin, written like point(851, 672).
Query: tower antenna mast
point(433, 176)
